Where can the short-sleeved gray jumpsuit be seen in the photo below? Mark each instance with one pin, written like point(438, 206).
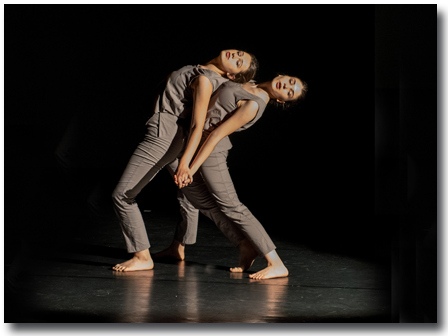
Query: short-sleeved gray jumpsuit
point(213, 176)
point(164, 141)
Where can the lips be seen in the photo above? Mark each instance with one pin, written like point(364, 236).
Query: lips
point(278, 85)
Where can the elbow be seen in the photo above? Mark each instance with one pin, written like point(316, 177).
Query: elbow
point(214, 137)
point(193, 130)
point(194, 127)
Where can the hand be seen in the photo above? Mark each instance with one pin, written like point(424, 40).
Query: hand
point(183, 176)
point(184, 184)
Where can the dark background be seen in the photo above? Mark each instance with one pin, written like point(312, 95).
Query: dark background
point(352, 168)
point(78, 94)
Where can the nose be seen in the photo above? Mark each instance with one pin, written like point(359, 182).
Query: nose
point(235, 56)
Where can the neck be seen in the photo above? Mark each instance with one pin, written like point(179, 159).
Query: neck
point(214, 65)
point(266, 86)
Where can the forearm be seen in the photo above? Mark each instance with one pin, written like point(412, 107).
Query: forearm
point(205, 151)
point(192, 144)
point(242, 116)
point(202, 88)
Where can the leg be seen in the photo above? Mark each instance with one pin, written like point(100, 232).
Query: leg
point(151, 155)
point(129, 215)
point(186, 230)
point(275, 268)
point(196, 196)
point(217, 178)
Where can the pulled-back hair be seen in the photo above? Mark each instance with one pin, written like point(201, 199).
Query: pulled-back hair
point(249, 74)
point(288, 104)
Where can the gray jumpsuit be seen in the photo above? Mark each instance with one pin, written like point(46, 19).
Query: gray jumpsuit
point(163, 142)
point(213, 176)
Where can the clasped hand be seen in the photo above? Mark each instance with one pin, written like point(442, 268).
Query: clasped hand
point(183, 177)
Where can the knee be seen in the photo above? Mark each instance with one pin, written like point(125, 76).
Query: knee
point(229, 207)
point(120, 197)
point(187, 206)
point(116, 196)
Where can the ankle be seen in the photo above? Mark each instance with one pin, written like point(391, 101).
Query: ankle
point(276, 264)
point(142, 255)
point(177, 245)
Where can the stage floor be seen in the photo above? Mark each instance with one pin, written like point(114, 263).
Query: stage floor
point(72, 281)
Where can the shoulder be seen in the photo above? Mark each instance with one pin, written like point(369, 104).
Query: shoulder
point(260, 93)
point(185, 69)
point(202, 82)
point(249, 105)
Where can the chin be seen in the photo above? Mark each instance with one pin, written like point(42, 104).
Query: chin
point(223, 58)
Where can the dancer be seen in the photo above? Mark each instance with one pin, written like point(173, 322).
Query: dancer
point(186, 95)
point(234, 107)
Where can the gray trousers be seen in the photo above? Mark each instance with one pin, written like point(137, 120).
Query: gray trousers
point(213, 177)
point(163, 145)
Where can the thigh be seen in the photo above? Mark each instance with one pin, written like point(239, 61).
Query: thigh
point(215, 173)
point(151, 155)
point(197, 192)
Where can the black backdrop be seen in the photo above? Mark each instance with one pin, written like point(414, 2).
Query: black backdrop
point(79, 84)
point(81, 78)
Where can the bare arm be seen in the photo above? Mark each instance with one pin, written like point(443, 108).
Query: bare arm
point(245, 113)
point(202, 91)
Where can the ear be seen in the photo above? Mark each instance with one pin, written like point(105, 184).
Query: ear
point(280, 101)
point(230, 76)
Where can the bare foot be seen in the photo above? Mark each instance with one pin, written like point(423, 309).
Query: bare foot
point(275, 269)
point(247, 256)
point(270, 272)
point(175, 251)
point(139, 262)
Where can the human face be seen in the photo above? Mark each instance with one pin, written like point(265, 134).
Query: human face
point(286, 88)
point(234, 61)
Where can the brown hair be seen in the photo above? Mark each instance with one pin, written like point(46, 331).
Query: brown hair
point(245, 76)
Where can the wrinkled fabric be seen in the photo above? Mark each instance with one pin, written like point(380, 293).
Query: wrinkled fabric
point(163, 143)
point(213, 178)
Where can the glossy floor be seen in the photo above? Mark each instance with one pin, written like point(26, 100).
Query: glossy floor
point(73, 282)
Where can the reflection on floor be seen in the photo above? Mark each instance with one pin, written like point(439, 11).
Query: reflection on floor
point(73, 282)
